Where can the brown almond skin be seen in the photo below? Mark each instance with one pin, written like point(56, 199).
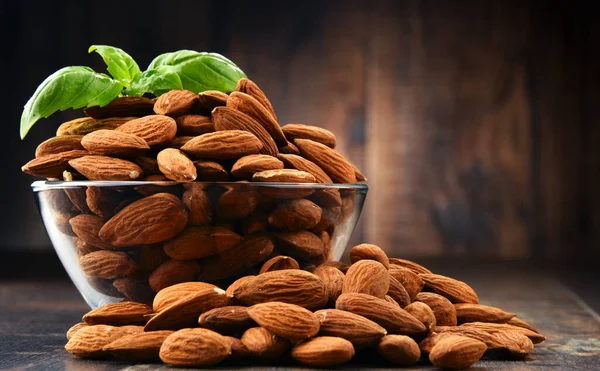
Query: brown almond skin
point(323, 351)
point(173, 272)
point(87, 227)
point(140, 347)
point(466, 312)
point(118, 314)
point(102, 201)
point(149, 165)
point(515, 344)
point(314, 133)
point(410, 280)
point(86, 125)
point(176, 103)
point(96, 167)
point(367, 277)
point(299, 245)
point(265, 346)
point(289, 321)
point(417, 268)
point(333, 279)
point(59, 144)
point(456, 352)
point(52, 165)
point(520, 323)
point(249, 105)
point(210, 171)
point(239, 352)
point(194, 125)
point(227, 320)
point(150, 220)
point(247, 86)
point(156, 130)
point(456, 291)
point(289, 149)
point(175, 165)
point(209, 99)
point(332, 163)
point(248, 253)
point(133, 289)
point(114, 143)
point(167, 296)
point(369, 251)
point(295, 215)
point(278, 263)
point(285, 176)
point(398, 293)
point(444, 311)
point(107, 264)
point(122, 107)
point(246, 166)
point(360, 331)
point(391, 317)
point(399, 350)
point(423, 313)
point(237, 203)
point(194, 347)
point(442, 331)
point(76, 327)
point(198, 205)
point(291, 286)
point(237, 283)
point(223, 145)
point(88, 341)
point(200, 242)
point(496, 327)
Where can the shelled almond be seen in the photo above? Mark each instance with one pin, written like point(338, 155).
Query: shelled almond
point(289, 314)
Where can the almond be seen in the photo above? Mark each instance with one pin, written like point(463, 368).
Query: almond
point(102, 201)
point(393, 318)
point(411, 281)
point(63, 143)
point(209, 99)
point(520, 323)
point(247, 86)
point(227, 320)
point(237, 202)
point(225, 118)
point(175, 165)
point(516, 345)
point(88, 341)
point(114, 143)
point(333, 279)
point(53, 165)
point(150, 220)
point(300, 245)
point(323, 351)
point(288, 321)
point(106, 168)
point(86, 125)
point(107, 264)
point(285, 176)
point(278, 263)
point(371, 252)
point(149, 165)
point(456, 291)
point(87, 227)
point(237, 283)
point(443, 331)
point(194, 347)
point(155, 186)
point(263, 345)
point(140, 347)
point(398, 293)
point(179, 141)
point(444, 311)
point(423, 313)
point(367, 277)
point(332, 163)
point(176, 103)
point(255, 222)
point(456, 352)
point(314, 133)
point(133, 289)
point(198, 205)
point(246, 166)
point(399, 350)
point(76, 327)
point(289, 149)
point(118, 314)
point(291, 286)
point(252, 107)
point(466, 312)
point(185, 311)
point(336, 264)
point(122, 107)
point(173, 272)
point(296, 215)
point(156, 130)
point(194, 125)
point(239, 352)
point(248, 253)
point(492, 328)
point(417, 268)
point(200, 242)
point(391, 300)
point(210, 171)
point(223, 145)
point(360, 331)
point(169, 295)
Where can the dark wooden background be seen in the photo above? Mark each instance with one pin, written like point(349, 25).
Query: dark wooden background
point(476, 122)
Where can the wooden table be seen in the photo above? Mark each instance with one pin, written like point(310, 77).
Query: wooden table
point(35, 314)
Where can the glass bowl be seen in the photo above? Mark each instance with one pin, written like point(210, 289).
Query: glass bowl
point(128, 240)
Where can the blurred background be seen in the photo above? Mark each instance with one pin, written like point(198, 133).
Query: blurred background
point(476, 122)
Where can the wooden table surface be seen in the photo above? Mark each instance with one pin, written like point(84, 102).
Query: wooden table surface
point(35, 314)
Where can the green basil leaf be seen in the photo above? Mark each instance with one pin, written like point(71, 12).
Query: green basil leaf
point(69, 87)
point(120, 64)
point(201, 71)
point(156, 81)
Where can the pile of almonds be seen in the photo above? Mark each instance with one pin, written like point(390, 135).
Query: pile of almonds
point(394, 309)
point(134, 240)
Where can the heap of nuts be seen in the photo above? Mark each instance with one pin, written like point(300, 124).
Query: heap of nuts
point(394, 308)
point(187, 225)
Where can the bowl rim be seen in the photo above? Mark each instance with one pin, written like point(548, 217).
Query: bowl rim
point(43, 185)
